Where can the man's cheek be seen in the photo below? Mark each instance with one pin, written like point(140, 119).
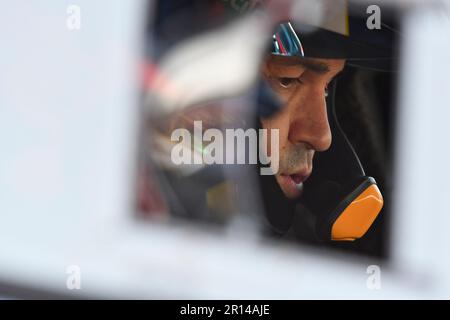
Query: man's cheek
point(269, 150)
point(275, 142)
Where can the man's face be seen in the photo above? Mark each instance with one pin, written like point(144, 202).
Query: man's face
point(301, 86)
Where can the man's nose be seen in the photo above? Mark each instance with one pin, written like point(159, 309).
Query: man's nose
point(309, 120)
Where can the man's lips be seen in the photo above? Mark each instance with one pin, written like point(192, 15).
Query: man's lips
point(292, 184)
point(298, 178)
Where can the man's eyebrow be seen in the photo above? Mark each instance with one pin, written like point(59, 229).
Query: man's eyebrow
point(317, 67)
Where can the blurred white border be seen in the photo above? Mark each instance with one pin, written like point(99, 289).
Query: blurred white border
point(40, 237)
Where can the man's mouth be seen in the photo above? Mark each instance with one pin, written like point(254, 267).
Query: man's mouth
point(292, 184)
point(298, 178)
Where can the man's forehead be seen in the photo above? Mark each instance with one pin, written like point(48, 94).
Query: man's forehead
point(316, 65)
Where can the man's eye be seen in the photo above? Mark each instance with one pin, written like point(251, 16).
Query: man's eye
point(326, 91)
point(287, 82)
